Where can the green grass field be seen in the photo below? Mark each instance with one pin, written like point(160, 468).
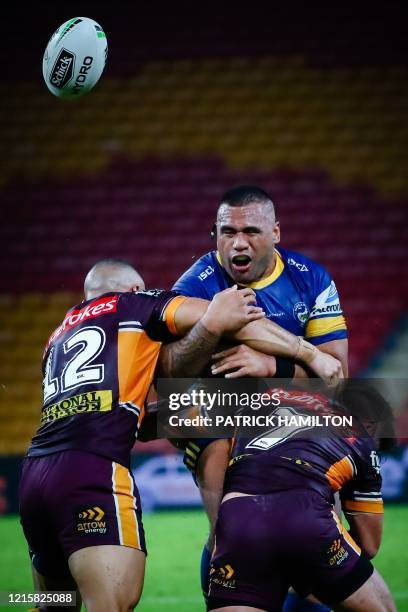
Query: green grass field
point(175, 541)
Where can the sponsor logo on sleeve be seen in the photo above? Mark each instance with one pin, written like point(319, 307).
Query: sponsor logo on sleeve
point(327, 303)
point(375, 461)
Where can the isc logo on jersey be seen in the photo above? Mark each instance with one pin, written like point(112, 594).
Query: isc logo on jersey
point(206, 273)
point(75, 57)
point(327, 303)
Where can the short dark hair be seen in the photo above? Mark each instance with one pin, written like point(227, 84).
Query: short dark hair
point(241, 195)
point(364, 402)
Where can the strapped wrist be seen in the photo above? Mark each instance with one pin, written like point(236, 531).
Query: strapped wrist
point(306, 352)
point(285, 368)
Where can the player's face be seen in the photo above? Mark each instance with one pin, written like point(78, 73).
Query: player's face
point(246, 238)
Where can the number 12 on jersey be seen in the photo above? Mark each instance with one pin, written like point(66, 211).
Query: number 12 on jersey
point(79, 369)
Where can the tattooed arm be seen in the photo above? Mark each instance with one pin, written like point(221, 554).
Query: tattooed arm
point(203, 323)
point(188, 356)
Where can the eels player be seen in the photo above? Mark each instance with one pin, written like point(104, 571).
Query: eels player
point(294, 291)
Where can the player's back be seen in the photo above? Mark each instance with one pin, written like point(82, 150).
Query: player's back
point(299, 456)
point(98, 366)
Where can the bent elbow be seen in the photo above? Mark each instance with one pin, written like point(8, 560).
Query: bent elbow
point(370, 550)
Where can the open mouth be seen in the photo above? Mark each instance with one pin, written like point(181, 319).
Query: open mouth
point(241, 263)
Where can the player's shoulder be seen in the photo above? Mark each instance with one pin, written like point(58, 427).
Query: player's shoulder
point(87, 311)
point(150, 310)
point(300, 264)
point(204, 267)
point(309, 274)
point(201, 278)
point(148, 298)
point(364, 447)
point(144, 294)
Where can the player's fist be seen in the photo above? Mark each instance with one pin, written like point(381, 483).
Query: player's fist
point(231, 309)
point(327, 367)
point(241, 361)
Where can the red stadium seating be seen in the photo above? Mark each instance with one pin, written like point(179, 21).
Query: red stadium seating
point(311, 106)
point(160, 220)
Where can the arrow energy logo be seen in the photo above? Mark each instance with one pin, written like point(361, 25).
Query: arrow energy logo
point(90, 521)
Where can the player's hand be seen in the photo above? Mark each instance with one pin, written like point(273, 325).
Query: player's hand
point(231, 309)
point(327, 367)
point(241, 361)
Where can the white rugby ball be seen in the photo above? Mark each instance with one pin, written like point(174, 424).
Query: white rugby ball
point(75, 57)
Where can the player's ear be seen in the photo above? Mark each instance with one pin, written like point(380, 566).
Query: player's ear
point(213, 233)
point(137, 288)
point(276, 232)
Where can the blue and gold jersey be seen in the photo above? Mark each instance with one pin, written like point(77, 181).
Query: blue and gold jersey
point(299, 295)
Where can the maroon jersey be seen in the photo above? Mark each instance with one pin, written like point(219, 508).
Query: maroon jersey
point(282, 460)
point(98, 366)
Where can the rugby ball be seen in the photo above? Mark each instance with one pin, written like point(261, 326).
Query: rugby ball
point(75, 58)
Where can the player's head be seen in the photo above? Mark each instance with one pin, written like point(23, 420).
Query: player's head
point(371, 409)
point(247, 232)
point(108, 275)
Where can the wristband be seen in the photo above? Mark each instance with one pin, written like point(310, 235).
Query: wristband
point(285, 368)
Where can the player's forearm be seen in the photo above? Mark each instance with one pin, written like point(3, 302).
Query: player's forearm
point(187, 357)
point(267, 337)
point(366, 530)
point(301, 373)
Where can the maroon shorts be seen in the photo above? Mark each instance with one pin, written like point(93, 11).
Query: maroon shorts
point(266, 543)
point(74, 499)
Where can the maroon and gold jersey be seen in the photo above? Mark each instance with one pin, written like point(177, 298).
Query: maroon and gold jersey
point(98, 367)
point(280, 461)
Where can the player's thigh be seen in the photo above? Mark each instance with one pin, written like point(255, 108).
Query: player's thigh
point(109, 577)
point(56, 583)
point(210, 474)
point(372, 596)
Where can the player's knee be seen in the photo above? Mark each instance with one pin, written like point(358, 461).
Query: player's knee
point(383, 594)
point(113, 597)
point(372, 595)
point(114, 601)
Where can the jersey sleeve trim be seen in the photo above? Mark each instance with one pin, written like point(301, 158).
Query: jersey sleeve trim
point(339, 473)
point(339, 335)
point(375, 506)
point(324, 325)
point(170, 311)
